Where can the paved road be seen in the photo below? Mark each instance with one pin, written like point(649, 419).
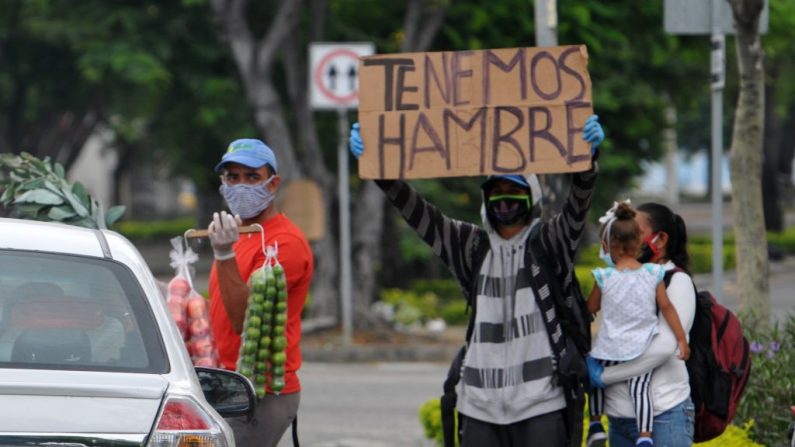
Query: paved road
point(781, 283)
point(365, 404)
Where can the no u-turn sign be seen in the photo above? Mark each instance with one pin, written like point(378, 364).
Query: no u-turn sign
point(334, 74)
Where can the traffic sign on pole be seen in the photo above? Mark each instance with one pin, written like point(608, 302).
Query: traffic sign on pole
point(334, 85)
point(334, 74)
point(704, 17)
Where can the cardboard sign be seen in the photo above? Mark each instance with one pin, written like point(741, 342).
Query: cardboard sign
point(302, 202)
point(465, 113)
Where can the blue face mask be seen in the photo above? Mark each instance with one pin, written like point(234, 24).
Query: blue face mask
point(247, 200)
point(606, 257)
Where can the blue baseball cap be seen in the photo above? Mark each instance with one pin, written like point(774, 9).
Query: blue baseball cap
point(529, 181)
point(518, 179)
point(248, 152)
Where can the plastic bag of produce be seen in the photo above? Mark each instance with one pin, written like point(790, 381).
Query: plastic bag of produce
point(189, 308)
point(263, 342)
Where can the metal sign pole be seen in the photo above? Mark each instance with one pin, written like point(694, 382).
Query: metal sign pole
point(718, 56)
point(345, 228)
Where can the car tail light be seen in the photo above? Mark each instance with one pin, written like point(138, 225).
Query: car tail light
point(183, 423)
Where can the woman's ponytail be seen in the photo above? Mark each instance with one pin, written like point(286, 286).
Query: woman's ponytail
point(662, 219)
point(678, 251)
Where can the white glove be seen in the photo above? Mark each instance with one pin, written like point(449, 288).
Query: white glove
point(223, 234)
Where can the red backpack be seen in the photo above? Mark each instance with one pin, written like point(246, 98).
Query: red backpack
point(719, 364)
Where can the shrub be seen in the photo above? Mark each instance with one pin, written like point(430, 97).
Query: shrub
point(771, 387)
point(701, 257)
point(445, 289)
point(585, 278)
point(784, 240)
point(144, 230)
point(455, 313)
point(589, 256)
point(411, 308)
point(734, 436)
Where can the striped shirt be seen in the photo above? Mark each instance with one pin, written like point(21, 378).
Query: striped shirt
point(507, 374)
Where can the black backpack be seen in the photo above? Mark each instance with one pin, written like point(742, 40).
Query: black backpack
point(571, 372)
point(719, 364)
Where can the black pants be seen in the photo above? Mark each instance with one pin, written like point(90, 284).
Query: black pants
point(546, 430)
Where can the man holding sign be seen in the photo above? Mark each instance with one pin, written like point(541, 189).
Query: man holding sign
point(520, 378)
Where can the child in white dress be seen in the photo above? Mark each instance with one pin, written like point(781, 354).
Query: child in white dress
point(629, 294)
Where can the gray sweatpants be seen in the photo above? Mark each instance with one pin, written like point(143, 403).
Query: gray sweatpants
point(272, 416)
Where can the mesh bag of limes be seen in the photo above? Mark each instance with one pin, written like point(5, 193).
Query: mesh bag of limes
point(263, 341)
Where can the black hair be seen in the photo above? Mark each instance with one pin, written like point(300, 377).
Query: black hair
point(662, 219)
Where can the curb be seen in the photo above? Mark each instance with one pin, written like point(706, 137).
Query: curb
point(380, 353)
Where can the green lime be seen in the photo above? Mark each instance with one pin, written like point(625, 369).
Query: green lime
point(265, 341)
point(278, 330)
point(253, 333)
point(255, 320)
point(277, 371)
point(259, 379)
point(281, 306)
point(278, 358)
point(279, 343)
point(280, 318)
point(277, 384)
point(281, 296)
point(260, 392)
point(263, 354)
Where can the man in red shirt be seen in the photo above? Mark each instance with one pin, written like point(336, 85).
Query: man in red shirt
point(249, 183)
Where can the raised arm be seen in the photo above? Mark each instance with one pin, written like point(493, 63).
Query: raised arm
point(451, 240)
point(562, 235)
point(663, 345)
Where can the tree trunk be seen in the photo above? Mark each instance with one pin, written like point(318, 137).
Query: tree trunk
point(771, 191)
point(746, 166)
point(325, 284)
point(255, 60)
point(368, 216)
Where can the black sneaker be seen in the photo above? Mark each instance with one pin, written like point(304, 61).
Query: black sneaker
point(596, 436)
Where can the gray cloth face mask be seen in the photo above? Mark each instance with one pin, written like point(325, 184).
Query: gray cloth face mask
point(247, 201)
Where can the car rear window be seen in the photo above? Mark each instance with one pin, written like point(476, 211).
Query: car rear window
point(76, 313)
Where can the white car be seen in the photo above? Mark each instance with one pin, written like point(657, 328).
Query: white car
point(89, 354)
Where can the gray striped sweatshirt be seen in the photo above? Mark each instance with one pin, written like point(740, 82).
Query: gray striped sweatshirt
point(508, 372)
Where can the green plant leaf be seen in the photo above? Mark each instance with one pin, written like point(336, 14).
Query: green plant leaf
point(59, 171)
point(40, 196)
point(114, 214)
point(32, 184)
point(8, 194)
point(28, 210)
point(61, 213)
point(77, 204)
point(86, 222)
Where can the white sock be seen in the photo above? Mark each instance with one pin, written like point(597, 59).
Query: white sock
point(644, 438)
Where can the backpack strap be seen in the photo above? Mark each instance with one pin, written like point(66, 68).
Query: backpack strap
point(670, 273)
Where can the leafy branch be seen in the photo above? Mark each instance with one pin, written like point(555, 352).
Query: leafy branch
point(38, 190)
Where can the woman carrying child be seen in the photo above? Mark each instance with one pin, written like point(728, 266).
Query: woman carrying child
point(630, 293)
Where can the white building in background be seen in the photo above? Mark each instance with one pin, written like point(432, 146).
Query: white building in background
point(693, 176)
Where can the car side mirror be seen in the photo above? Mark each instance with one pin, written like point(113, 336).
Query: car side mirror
point(229, 393)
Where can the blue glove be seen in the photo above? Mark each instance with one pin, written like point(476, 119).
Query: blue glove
point(593, 133)
point(595, 372)
point(355, 142)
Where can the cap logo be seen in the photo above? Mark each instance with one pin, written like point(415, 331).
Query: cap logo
point(239, 146)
